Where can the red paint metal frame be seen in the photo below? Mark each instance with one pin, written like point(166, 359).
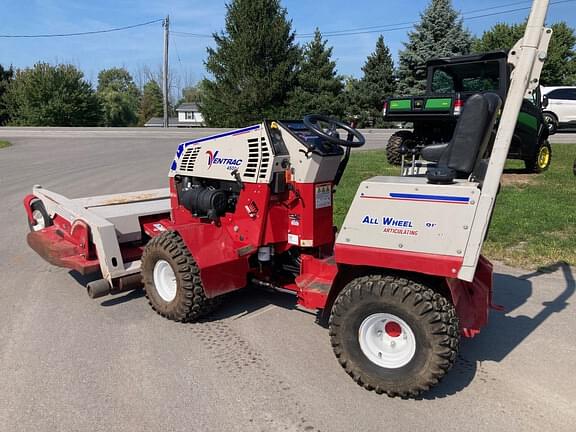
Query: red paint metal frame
point(472, 300)
point(316, 280)
point(65, 245)
point(222, 250)
point(431, 264)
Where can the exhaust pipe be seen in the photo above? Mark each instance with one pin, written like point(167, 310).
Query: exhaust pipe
point(101, 287)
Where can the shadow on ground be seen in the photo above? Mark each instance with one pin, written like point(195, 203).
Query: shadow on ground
point(504, 332)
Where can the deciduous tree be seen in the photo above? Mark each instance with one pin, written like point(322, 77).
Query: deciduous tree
point(559, 67)
point(119, 96)
point(46, 95)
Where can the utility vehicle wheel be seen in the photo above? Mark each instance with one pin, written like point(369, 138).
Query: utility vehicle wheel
point(393, 335)
point(40, 216)
point(393, 147)
point(172, 280)
point(551, 122)
point(542, 160)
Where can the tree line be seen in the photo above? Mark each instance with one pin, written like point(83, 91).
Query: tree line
point(59, 95)
point(257, 70)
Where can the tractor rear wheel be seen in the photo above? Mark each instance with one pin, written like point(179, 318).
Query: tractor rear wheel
point(394, 335)
point(541, 161)
point(393, 147)
point(172, 280)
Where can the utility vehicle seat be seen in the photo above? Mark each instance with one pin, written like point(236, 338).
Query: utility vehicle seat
point(459, 157)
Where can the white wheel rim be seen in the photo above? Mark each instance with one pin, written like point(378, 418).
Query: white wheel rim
point(387, 340)
point(165, 280)
point(39, 219)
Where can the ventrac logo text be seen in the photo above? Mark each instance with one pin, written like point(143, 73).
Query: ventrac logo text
point(215, 159)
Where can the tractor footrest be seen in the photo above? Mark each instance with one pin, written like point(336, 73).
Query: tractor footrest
point(315, 281)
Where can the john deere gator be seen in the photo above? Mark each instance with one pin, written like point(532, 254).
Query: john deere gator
point(449, 82)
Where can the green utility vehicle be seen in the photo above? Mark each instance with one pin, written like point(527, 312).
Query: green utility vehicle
point(450, 81)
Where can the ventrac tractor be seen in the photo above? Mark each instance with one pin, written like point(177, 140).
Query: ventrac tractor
point(397, 285)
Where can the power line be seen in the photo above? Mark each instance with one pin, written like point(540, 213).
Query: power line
point(199, 35)
point(384, 28)
point(333, 32)
point(52, 35)
point(381, 27)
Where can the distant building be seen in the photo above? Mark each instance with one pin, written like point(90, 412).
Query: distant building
point(189, 115)
point(159, 122)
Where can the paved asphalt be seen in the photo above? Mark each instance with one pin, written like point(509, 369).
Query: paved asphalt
point(68, 363)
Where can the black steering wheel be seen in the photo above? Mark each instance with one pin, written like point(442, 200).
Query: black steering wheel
point(329, 133)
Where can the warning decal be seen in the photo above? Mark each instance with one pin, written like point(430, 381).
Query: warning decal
point(323, 195)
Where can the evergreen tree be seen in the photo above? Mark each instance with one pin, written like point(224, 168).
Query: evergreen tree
point(47, 95)
point(119, 96)
point(253, 65)
point(151, 103)
point(6, 76)
point(377, 83)
point(559, 67)
point(501, 36)
point(440, 33)
point(318, 88)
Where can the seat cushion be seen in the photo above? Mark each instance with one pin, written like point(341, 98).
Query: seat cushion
point(433, 152)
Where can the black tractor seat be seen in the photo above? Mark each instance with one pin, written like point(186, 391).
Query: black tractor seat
point(459, 157)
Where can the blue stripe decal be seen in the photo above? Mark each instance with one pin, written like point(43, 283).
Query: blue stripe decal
point(222, 135)
point(429, 197)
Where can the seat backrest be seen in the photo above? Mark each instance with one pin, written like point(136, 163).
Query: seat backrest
point(470, 139)
point(481, 166)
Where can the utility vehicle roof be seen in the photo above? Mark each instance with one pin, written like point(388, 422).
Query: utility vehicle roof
point(494, 55)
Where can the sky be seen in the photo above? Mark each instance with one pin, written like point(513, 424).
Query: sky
point(141, 47)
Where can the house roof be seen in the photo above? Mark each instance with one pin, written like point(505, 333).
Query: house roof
point(188, 107)
point(159, 121)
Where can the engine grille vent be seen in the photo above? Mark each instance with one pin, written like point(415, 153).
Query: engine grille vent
point(258, 163)
point(189, 159)
point(251, 170)
point(265, 165)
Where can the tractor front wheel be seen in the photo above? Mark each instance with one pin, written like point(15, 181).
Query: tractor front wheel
point(172, 280)
point(395, 142)
point(394, 335)
point(40, 216)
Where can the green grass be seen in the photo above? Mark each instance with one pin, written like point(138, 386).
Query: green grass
point(534, 223)
point(5, 144)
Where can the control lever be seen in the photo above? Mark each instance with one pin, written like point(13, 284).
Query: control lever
point(238, 179)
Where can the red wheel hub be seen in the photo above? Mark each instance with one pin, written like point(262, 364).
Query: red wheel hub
point(393, 329)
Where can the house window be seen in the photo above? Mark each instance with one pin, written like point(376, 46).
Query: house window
point(189, 115)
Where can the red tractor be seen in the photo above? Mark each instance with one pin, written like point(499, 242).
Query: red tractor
point(398, 285)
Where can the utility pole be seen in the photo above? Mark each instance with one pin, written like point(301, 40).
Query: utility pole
point(166, 25)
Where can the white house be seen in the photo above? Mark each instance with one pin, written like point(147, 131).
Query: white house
point(189, 115)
